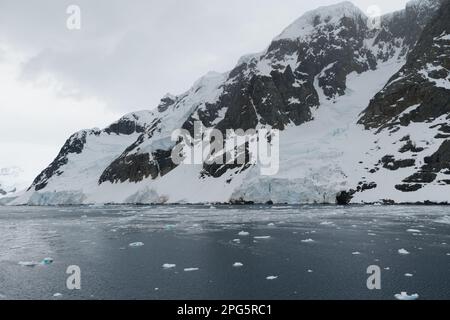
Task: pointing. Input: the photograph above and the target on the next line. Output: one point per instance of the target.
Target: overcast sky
(126, 56)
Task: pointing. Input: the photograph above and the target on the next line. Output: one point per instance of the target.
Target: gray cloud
(130, 53)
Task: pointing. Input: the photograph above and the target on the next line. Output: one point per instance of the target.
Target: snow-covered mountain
(363, 114)
(11, 180)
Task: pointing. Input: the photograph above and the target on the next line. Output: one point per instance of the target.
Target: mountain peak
(322, 15)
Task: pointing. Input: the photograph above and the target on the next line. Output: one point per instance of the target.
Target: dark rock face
(343, 198)
(440, 160)
(125, 126)
(437, 162)
(136, 167)
(410, 146)
(2, 192)
(408, 187)
(413, 86)
(390, 163)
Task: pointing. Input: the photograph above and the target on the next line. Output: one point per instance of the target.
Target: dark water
(97, 240)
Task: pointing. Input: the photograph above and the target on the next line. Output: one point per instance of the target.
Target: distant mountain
(10, 180)
(363, 114)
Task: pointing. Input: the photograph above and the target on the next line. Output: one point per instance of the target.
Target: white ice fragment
(28, 263)
(136, 244)
(262, 237)
(237, 264)
(237, 240)
(356, 253)
(190, 269)
(403, 251)
(413, 231)
(243, 233)
(271, 224)
(169, 265)
(307, 241)
(405, 296)
(310, 271)
(272, 277)
(408, 274)
(57, 295)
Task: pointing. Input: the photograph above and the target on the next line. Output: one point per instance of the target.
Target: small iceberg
(413, 231)
(190, 269)
(47, 261)
(243, 233)
(136, 244)
(57, 295)
(237, 265)
(405, 296)
(356, 253)
(169, 266)
(403, 251)
(408, 274)
(271, 277)
(262, 237)
(307, 241)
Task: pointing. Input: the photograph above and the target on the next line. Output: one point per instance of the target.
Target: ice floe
(262, 237)
(272, 277)
(405, 296)
(243, 233)
(307, 241)
(413, 231)
(403, 251)
(169, 265)
(136, 244)
(191, 269)
(238, 264)
(408, 274)
(356, 253)
(28, 263)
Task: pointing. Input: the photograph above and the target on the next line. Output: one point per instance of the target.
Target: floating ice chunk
(403, 251)
(169, 265)
(237, 264)
(413, 231)
(243, 233)
(57, 295)
(28, 263)
(271, 224)
(47, 261)
(310, 271)
(448, 254)
(191, 269)
(262, 237)
(307, 241)
(387, 268)
(326, 223)
(237, 240)
(272, 277)
(136, 244)
(405, 296)
(356, 253)
(156, 289)
(408, 274)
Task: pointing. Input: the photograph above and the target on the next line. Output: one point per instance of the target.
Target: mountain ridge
(289, 86)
